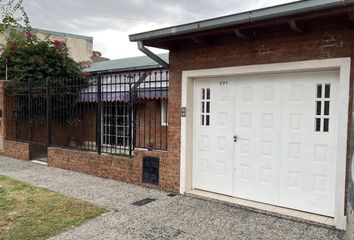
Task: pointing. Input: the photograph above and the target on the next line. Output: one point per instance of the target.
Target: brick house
(259, 112)
(260, 106)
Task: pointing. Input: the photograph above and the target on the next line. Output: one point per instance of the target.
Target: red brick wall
(320, 41)
(18, 150)
(62, 132)
(109, 166)
(148, 125)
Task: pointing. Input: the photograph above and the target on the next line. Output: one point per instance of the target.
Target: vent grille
(151, 170)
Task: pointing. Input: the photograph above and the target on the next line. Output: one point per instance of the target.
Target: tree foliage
(24, 56)
(27, 61)
(13, 14)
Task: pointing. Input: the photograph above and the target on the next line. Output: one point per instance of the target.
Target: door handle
(235, 138)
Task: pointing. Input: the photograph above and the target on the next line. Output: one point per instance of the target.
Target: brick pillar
(3, 84)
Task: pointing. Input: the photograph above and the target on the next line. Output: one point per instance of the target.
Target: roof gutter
(299, 7)
(152, 55)
(129, 69)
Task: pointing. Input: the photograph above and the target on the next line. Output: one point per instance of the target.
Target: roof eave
(269, 13)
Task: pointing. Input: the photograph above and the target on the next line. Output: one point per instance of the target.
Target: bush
(28, 57)
(24, 56)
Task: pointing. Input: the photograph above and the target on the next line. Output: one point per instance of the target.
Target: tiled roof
(125, 64)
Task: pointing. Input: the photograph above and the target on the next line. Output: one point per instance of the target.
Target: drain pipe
(152, 55)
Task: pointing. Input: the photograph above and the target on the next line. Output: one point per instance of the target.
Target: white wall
(80, 47)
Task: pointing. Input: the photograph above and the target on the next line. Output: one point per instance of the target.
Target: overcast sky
(110, 22)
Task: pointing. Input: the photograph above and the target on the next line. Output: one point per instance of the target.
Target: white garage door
(270, 139)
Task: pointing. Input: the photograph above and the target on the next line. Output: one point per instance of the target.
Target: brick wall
(322, 39)
(109, 166)
(148, 125)
(18, 150)
(83, 132)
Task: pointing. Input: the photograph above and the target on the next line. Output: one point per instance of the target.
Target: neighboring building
(266, 99)
(97, 57)
(80, 47)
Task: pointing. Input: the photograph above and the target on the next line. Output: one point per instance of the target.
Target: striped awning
(124, 96)
(124, 86)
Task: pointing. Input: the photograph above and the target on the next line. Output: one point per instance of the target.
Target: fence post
(49, 112)
(30, 120)
(98, 114)
(16, 115)
(130, 117)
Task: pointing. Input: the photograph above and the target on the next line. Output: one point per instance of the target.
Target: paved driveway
(179, 217)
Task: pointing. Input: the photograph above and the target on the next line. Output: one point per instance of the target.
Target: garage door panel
(283, 155)
(221, 98)
(214, 161)
(257, 131)
(303, 155)
(203, 164)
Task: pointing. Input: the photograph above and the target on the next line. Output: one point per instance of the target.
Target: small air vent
(151, 170)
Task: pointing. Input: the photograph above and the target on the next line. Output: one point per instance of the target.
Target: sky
(110, 22)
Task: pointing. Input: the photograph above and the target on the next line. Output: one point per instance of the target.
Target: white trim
(341, 64)
(164, 112)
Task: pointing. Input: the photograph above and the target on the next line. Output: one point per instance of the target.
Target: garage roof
(299, 7)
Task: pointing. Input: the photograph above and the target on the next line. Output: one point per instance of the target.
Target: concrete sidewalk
(179, 217)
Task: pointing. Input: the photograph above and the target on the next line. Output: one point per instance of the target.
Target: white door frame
(343, 65)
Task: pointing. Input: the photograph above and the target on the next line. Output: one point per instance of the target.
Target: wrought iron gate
(112, 113)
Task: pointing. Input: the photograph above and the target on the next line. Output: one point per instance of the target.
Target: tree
(24, 55)
(13, 15)
(28, 61)
(28, 57)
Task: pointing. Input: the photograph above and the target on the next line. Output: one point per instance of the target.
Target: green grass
(28, 212)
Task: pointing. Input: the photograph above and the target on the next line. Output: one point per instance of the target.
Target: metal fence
(107, 113)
